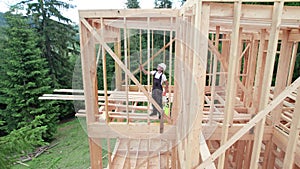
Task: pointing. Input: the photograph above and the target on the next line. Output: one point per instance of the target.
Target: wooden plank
(137, 154)
(117, 50)
(260, 115)
(170, 62)
(176, 106)
(214, 76)
(148, 63)
(114, 153)
(199, 60)
(269, 67)
(293, 61)
(164, 57)
(269, 161)
(161, 24)
(251, 74)
(148, 153)
(126, 66)
(216, 135)
(95, 153)
(231, 85)
(204, 151)
(282, 72)
(128, 13)
(187, 78)
(191, 98)
(259, 73)
(104, 76)
(153, 155)
(293, 138)
(138, 131)
(248, 153)
(127, 158)
(240, 152)
(210, 58)
(114, 56)
(89, 75)
(159, 157)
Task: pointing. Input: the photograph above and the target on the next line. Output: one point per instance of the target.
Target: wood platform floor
(141, 153)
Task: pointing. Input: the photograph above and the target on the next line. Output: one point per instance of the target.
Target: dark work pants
(157, 96)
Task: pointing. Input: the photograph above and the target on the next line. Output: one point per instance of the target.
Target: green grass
(71, 152)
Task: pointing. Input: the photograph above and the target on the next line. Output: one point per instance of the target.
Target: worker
(157, 90)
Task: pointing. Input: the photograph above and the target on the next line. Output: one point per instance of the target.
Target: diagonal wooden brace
(215, 51)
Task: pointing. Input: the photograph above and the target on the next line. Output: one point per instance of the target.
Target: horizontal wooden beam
(135, 131)
(161, 24)
(216, 134)
(128, 13)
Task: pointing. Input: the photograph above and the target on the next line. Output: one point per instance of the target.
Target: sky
(90, 4)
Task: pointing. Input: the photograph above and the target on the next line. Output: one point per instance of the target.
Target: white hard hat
(162, 65)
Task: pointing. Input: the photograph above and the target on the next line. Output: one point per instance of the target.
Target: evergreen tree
(57, 41)
(21, 141)
(163, 4)
(25, 77)
(56, 37)
(132, 4)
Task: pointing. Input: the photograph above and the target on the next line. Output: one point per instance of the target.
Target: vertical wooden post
(289, 158)
(105, 91)
(89, 74)
(126, 65)
(104, 74)
(188, 73)
(141, 58)
(214, 77)
(231, 84)
(259, 72)
(293, 60)
(251, 75)
(170, 62)
(248, 154)
(117, 50)
(240, 158)
(269, 67)
(148, 63)
(177, 92)
(282, 71)
(164, 58)
(128, 55)
(152, 51)
(211, 56)
(200, 45)
(225, 54)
